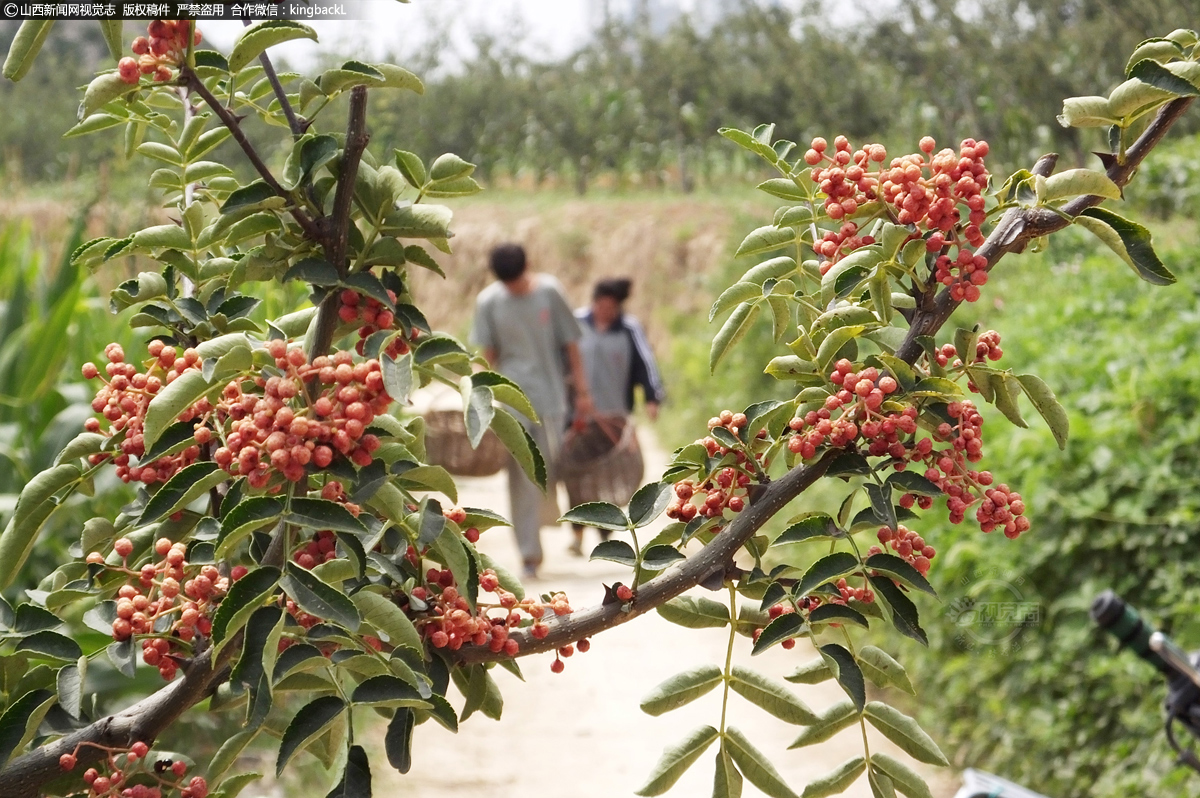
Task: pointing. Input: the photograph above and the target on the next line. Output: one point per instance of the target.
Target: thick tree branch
(712, 558)
(311, 228)
(1020, 226)
(337, 225)
(142, 722)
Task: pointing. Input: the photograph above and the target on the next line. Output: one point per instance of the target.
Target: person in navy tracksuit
(616, 359)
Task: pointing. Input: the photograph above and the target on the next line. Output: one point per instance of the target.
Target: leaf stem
(729, 656)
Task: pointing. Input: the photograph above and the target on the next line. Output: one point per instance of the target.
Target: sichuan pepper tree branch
(1020, 226)
(311, 228)
(295, 124)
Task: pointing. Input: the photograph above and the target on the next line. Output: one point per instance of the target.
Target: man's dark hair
(508, 262)
(617, 288)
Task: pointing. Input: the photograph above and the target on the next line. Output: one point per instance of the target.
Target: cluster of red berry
(448, 621)
(371, 316)
(860, 402)
(834, 245)
(846, 182)
(908, 545)
(923, 189)
(158, 53)
(726, 489)
(122, 765)
(273, 425)
(156, 597)
(281, 430)
(123, 400)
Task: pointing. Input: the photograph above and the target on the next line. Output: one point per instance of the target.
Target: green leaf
(313, 719)
(784, 188)
(478, 411)
(904, 732)
(1129, 240)
(356, 778)
(833, 343)
(766, 239)
(398, 376)
(676, 759)
(255, 40)
(912, 482)
(260, 645)
(1155, 74)
(648, 503)
(21, 718)
(682, 688)
(838, 780)
(51, 645)
(1080, 182)
(381, 614)
(31, 618)
(841, 715)
(34, 506)
(253, 195)
(395, 77)
(817, 525)
(397, 742)
(318, 598)
(771, 696)
(812, 672)
(188, 484)
(837, 613)
(1159, 49)
(245, 517)
(506, 391)
(660, 556)
(411, 167)
(695, 612)
(351, 73)
(69, 684)
(900, 570)
(1006, 399)
(244, 597)
(177, 396)
(773, 269)
(449, 167)
(785, 627)
(1047, 405)
(418, 221)
(734, 329)
(847, 672)
(518, 441)
(882, 669)
(904, 612)
(159, 152)
(387, 691)
(827, 569)
(101, 91)
(791, 367)
(323, 514)
(21, 53)
(905, 779)
(600, 515)
(727, 782)
(617, 551)
(754, 766)
(315, 271)
(735, 295)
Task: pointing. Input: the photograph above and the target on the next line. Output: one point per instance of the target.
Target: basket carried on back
(601, 462)
(448, 446)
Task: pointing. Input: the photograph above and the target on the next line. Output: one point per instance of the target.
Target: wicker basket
(601, 462)
(448, 446)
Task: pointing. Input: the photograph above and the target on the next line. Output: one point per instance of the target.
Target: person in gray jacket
(616, 359)
(527, 332)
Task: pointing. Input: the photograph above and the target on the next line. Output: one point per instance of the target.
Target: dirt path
(580, 734)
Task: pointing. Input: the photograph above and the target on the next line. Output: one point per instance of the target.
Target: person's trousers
(525, 497)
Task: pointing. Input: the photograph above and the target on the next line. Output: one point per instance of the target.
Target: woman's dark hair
(617, 288)
(508, 262)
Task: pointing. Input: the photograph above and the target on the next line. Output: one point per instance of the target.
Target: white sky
(546, 27)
